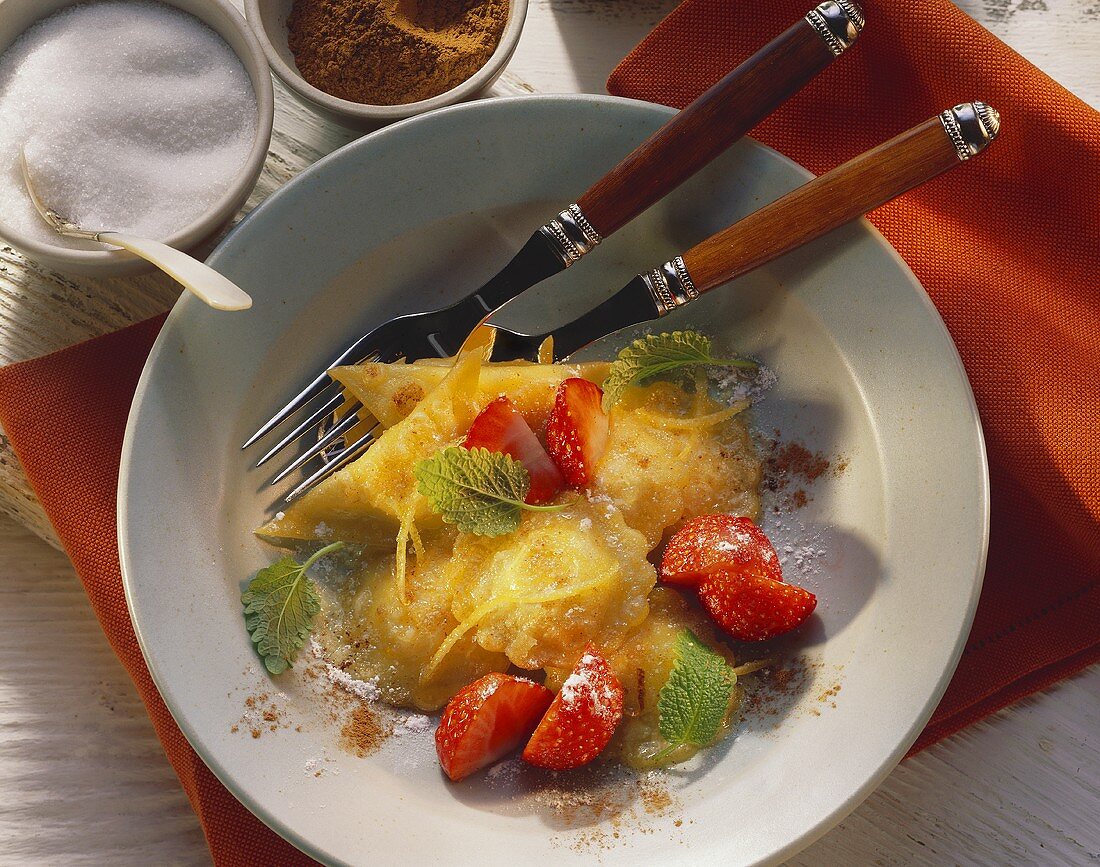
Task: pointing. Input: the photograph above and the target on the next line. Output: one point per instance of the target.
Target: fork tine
(311, 422)
(314, 388)
(348, 455)
(305, 395)
(346, 423)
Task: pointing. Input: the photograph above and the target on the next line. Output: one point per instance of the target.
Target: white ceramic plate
(426, 210)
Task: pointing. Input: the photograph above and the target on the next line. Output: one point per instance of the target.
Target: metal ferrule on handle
(670, 286)
(571, 235)
(713, 122)
(71, 230)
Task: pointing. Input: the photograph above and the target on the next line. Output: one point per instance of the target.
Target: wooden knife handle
(840, 196)
(721, 116)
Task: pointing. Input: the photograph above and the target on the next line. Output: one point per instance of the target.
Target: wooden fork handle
(721, 116)
(831, 200)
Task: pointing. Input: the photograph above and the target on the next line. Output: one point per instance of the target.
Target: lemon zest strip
(498, 601)
(695, 422)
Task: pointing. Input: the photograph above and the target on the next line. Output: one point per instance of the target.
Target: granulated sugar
(136, 116)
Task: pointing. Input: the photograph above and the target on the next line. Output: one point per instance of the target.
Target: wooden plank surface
(82, 776)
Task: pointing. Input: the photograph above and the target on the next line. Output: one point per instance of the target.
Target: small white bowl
(268, 19)
(18, 15)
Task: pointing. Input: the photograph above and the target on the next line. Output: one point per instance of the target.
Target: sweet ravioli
(505, 526)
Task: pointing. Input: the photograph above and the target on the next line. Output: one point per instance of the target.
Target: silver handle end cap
(971, 126)
(838, 23)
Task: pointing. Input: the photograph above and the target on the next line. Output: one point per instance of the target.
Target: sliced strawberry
(500, 428)
(752, 607)
(577, 431)
(582, 717)
(486, 720)
(709, 543)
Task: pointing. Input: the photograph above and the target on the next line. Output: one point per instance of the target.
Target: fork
(827, 202)
(680, 148)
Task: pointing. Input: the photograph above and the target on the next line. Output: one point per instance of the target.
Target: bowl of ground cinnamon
(364, 63)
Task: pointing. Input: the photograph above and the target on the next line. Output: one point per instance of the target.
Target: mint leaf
(655, 354)
(695, 699)
(279, 606)
(479, 491)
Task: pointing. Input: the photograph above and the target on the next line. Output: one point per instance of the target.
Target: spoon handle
(217, 291)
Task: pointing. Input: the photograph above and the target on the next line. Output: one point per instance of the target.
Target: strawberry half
(581, 719)
(577, 431)
(486, 720)
(500, 428)
(711, 543)
(751, 607)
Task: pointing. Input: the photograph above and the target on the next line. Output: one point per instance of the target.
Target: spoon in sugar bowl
(202, 280)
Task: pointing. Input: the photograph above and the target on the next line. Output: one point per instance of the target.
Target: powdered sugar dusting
(487, 687)
(367, 690)
(608, 504)
(802, 551)
(740, 540)
(732, 384)
(414, 724)
(585, 685)
(504, 773)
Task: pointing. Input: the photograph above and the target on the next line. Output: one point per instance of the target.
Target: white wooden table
(83, 779)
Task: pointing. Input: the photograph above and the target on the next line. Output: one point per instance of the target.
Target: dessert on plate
(554, 555)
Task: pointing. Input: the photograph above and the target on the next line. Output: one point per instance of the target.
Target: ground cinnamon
(391, 52)
(363, 734)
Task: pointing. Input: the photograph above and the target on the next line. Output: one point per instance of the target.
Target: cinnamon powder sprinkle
(262, 713)
(407, 396)
(788, 463)
(363, 734)
(656, 798)
(601, 810)
(793, 460)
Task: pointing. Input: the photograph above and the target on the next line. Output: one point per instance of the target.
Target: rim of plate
(187, 301)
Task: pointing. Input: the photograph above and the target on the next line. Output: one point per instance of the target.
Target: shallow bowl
(891, 539)
(220, 15)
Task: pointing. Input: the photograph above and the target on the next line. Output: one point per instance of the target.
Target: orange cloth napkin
(1007, 246)
(65, 415)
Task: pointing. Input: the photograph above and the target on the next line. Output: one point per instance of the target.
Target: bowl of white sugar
(139, 116)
